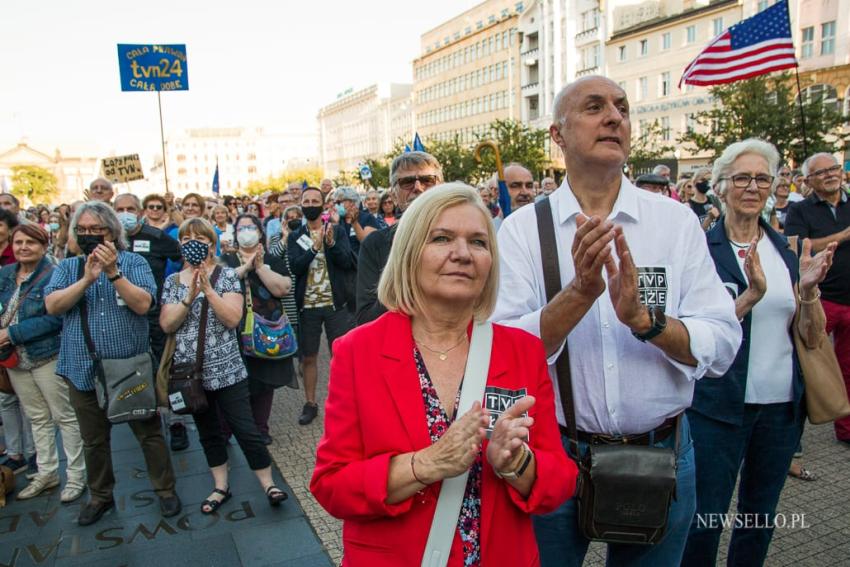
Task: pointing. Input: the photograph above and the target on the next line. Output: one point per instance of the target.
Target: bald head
(520, 184)
(569, 93)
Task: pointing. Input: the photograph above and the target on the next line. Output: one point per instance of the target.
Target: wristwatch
(116, 277)
(525, 461)
(658, 322)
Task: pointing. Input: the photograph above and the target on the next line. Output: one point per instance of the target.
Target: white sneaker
(71, 492)
(37, 485)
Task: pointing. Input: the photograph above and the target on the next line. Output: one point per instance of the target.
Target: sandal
(275, 495)
(805, 474)
(209, 506)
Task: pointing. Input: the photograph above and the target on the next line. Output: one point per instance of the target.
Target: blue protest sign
(365, 172)
(153, 67)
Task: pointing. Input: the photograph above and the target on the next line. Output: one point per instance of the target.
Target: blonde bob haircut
(398, 288)
(197, 226)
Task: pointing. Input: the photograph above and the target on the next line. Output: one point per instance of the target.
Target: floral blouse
(469, 522)
(223, 364)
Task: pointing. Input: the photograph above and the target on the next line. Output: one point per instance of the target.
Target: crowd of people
(618, 312)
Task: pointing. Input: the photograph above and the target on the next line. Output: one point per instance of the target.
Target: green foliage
(766, 107)
(517, 143)
(34, 184)
(312, 175)
(649, 146)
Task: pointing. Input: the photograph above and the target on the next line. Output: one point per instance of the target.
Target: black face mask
(88, 242)
(312, 213)
(702, 187)
(294, 224)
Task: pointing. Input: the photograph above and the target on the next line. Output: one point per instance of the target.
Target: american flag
(756, 46)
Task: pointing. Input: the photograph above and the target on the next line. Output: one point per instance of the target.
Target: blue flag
(215, 180)
(304, 185)
(417, 144)
(406, 148)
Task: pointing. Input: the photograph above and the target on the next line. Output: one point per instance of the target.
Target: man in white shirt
(646, 313)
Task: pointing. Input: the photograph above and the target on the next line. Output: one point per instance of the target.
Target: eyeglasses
(95, 230)
(155, 207)
(743, 180)
(409, 182)
(826, 171)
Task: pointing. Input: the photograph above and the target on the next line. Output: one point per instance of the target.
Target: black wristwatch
(116, 277)
(658, 323)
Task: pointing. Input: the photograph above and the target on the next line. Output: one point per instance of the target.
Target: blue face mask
(195, 252)
(340, 210)
(128, 220)
(54, 226)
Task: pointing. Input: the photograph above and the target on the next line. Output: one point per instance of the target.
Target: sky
(250, 63)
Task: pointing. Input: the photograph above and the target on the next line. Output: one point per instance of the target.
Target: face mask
(128, 220)
(340, 210)
(88, 242)
(294, 224)
(54, 226)
(240, 210)
(248, 238)
(311, 213)
(702, 187)
(195, 252)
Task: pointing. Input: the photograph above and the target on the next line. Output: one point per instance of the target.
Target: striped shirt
(277, 247)
(117, 332)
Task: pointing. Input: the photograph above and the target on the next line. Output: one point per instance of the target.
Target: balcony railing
(587, 71)
(529, 86)
(530, 52)
(587, 35)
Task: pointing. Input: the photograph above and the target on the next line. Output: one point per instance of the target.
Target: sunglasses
(155, 207)
(409, 182)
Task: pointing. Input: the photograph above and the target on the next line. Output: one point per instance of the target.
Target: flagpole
(799, 93)
(162, 139)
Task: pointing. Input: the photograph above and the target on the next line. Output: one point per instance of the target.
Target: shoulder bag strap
(202, 328)
(21, 297)
(552, 283)
(444, 524)
(84, 316)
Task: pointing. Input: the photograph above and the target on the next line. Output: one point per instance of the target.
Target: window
(691, 34)
(717, 26)
(665, 128)
(827, 35)
(621, 53)
(498, 41)
(762, 6)
(807, 46)
(665, 84)
(644, 47)
(665, 40)
(690, 122)
(643, 88)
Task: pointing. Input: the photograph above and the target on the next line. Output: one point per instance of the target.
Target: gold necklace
(443, 354)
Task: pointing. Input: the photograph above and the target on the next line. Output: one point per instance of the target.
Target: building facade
(243, 155)
(467, 75)
(364, 124)
(73, 174)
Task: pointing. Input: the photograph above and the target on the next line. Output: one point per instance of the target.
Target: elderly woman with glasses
(750, 420)
(394, 435)
(119, 289)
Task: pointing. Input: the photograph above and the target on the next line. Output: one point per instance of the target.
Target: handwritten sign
(153, 67)
(121, 169)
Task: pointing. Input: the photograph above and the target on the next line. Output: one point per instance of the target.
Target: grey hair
(659, 168)
(756, 146)
(105, 180)
(347, 194)
(811, 158)
(414, 160)
(295, 208)
(130, 196)
(105, 216)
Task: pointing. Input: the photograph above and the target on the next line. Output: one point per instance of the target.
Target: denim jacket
(36, 331)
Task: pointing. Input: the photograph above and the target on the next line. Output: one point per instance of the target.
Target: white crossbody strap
(445, 519)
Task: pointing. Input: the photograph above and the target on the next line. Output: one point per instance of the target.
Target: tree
(456, 159)
(34, 184)
(649, 146)
(517, 143)
(766, 107)
(277, 184)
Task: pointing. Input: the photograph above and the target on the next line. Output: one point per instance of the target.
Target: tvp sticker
(177, 402)
(497, 400)
(653, 286)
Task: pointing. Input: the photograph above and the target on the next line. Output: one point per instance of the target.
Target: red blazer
(374, 411)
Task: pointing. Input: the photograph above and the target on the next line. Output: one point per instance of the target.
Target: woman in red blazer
(391, 436)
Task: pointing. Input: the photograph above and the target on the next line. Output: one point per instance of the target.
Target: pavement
(247, 532)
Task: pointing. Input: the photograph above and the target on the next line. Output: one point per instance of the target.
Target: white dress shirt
(622, 386)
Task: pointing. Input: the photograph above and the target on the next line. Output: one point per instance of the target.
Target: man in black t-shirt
(156, 248)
